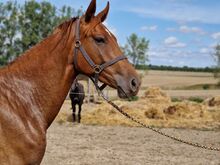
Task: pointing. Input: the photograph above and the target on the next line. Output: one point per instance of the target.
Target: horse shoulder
(22, 136)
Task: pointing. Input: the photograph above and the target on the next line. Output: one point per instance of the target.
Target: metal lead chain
(156, 130)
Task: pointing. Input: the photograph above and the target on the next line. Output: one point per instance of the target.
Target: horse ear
(90, 12)
(103, 14)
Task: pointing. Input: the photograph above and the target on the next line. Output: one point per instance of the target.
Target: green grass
(133, 98)
(193, 99)
(175, 99)
(196, 99)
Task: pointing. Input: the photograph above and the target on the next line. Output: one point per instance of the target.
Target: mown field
(179, 103)
(175, 84)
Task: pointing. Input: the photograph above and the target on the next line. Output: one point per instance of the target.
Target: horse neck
(48, 68)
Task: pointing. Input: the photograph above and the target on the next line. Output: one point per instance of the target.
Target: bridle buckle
(77, 43)
(97, 69)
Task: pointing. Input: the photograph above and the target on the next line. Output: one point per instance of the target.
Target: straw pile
(155, 109)
(214, 101)
(156, 95)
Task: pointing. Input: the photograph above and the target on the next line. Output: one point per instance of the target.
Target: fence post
(88, 90)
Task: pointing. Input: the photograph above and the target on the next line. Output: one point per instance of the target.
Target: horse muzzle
(128, 88)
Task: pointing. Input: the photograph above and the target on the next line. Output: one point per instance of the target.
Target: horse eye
(99, 40)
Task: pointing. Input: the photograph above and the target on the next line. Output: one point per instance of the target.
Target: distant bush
(205, 86)
(196, 99)
(175, 99)
(142, 67)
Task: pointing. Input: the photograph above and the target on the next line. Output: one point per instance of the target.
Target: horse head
(103, 50)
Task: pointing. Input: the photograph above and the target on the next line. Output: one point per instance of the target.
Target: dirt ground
(93, 144)
(79, 144)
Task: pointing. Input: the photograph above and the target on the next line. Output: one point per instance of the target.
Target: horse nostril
(134, 84)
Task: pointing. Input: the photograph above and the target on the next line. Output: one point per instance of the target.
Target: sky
(181, 32)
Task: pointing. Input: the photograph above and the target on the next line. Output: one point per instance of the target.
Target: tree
(35, 22)
(23, 26)
(136, 49)
(2, 37)
(217, 59)
(217, 54)
(8, 30)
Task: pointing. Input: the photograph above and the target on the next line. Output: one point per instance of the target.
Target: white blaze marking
(108, 32)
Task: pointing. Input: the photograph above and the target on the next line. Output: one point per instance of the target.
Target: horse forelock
(89, 27)
(93, 26)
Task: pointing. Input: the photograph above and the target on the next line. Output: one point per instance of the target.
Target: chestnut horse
(34, 87)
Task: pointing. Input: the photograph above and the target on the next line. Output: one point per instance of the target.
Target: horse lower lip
(122, 93)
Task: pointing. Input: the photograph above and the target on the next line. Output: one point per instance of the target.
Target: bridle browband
(96, 67)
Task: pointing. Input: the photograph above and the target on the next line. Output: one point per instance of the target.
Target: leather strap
(77, 32)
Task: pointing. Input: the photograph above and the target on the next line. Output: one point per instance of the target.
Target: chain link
(156, 130)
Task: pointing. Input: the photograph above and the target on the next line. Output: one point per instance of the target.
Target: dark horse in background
(34, 87)
(77, 96)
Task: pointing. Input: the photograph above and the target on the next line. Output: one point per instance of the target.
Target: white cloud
(152, 53)
(213, 45)
(170, 29)
(173, 42)
(149, 28)
(204, 50)
(187, 29)
(161, 55)
(170, 40)
(179, 11)
(216, 35)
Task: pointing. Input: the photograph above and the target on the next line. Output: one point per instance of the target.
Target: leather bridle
(96, 67)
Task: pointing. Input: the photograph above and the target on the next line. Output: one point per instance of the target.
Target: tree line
(22, 26)
(175, 68)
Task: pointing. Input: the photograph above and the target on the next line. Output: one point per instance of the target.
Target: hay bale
(212, 102)
(186, 109)
(156, 95)
(154, 113)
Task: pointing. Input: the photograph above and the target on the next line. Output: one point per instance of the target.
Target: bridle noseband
(96, 68)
